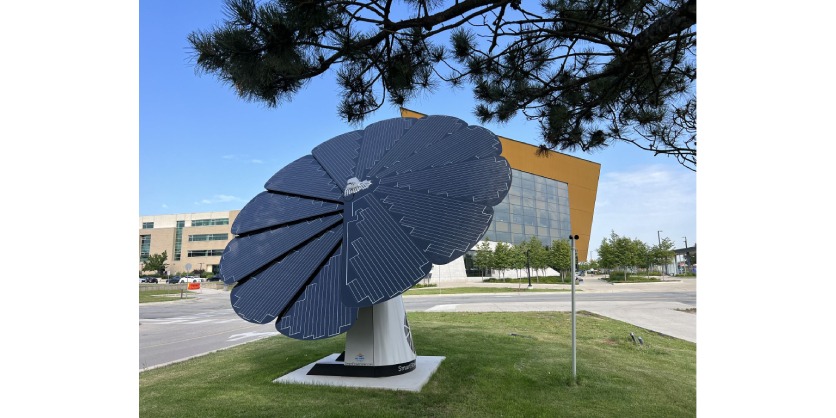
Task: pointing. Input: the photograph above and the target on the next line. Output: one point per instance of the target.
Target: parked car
(214, 278)
(174, 280)
(148, 279)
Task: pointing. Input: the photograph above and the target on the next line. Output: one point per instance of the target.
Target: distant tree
(518, 259)
(502, 258)
(538, 255)
(640, 253)
(623, 253)
(589, 72)
(662, 253)
(156, 263)
(616, 252)
(483, 259)
(560, 257)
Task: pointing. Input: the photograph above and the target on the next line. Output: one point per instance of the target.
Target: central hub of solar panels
(340, 234)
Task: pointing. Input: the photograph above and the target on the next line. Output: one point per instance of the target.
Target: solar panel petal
(262, 297)
(305, 177)
(247, 254)
(268, 210)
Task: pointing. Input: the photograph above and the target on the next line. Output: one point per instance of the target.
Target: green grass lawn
(162, 295)
(618, 278)
(488, 372)
(534, 280)
(456, 290)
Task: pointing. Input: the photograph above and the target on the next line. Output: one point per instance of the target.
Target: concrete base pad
(413, 381)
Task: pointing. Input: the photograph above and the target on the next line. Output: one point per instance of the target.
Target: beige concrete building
(192, 241)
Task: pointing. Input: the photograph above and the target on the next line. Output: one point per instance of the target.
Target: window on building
(210, 222)
(208, 237)
(147, 225)
(178, 240)
(205, 253)
(144, 247)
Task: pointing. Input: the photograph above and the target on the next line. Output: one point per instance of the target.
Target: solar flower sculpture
(340, 234)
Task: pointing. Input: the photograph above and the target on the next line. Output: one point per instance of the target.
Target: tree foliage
(483, 259)
(589, 72)
(518, 258)
(625, 253)
(502, 258)
(618, 252)
(560, 257)
(537, 255)
(156, 263)
(662, 253)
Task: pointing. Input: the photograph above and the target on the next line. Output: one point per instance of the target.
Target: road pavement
(661, 308)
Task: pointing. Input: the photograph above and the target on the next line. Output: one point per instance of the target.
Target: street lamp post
(528, 265)
(660, 249)
(572, 239)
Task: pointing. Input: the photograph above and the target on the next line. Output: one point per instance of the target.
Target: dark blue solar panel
(443, 228)
(423, 133)
(245, 255)
(318, 312)
(378, 139)
(413, 193)
(468, 143)
(268, 210)
(264, 296)
(484, 181)
(338, 156)
(305, 177)
(382, 260)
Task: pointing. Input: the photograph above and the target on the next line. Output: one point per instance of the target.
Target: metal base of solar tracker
(425, 367)
(378, 345)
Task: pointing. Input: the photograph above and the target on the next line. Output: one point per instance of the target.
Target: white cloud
(228, 157)
(218, 198)
(165, 206)
(638, 203)
(256, 161)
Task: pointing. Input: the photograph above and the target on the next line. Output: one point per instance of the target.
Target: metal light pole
(660, 248)
(528, 265)
(687, 257)
(572, 239)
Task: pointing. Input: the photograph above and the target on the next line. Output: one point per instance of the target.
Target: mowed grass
(163, 295)
(457, 290)
(488, 372)
(534, 280)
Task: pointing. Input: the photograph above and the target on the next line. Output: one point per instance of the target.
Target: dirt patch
(688, 310)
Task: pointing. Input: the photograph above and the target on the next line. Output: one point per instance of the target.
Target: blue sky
(201, 148)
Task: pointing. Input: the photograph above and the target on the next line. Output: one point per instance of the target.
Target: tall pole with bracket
(572, 239)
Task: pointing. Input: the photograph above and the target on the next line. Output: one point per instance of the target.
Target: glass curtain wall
(534, 207)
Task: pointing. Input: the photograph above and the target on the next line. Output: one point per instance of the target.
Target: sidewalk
(668, 318)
